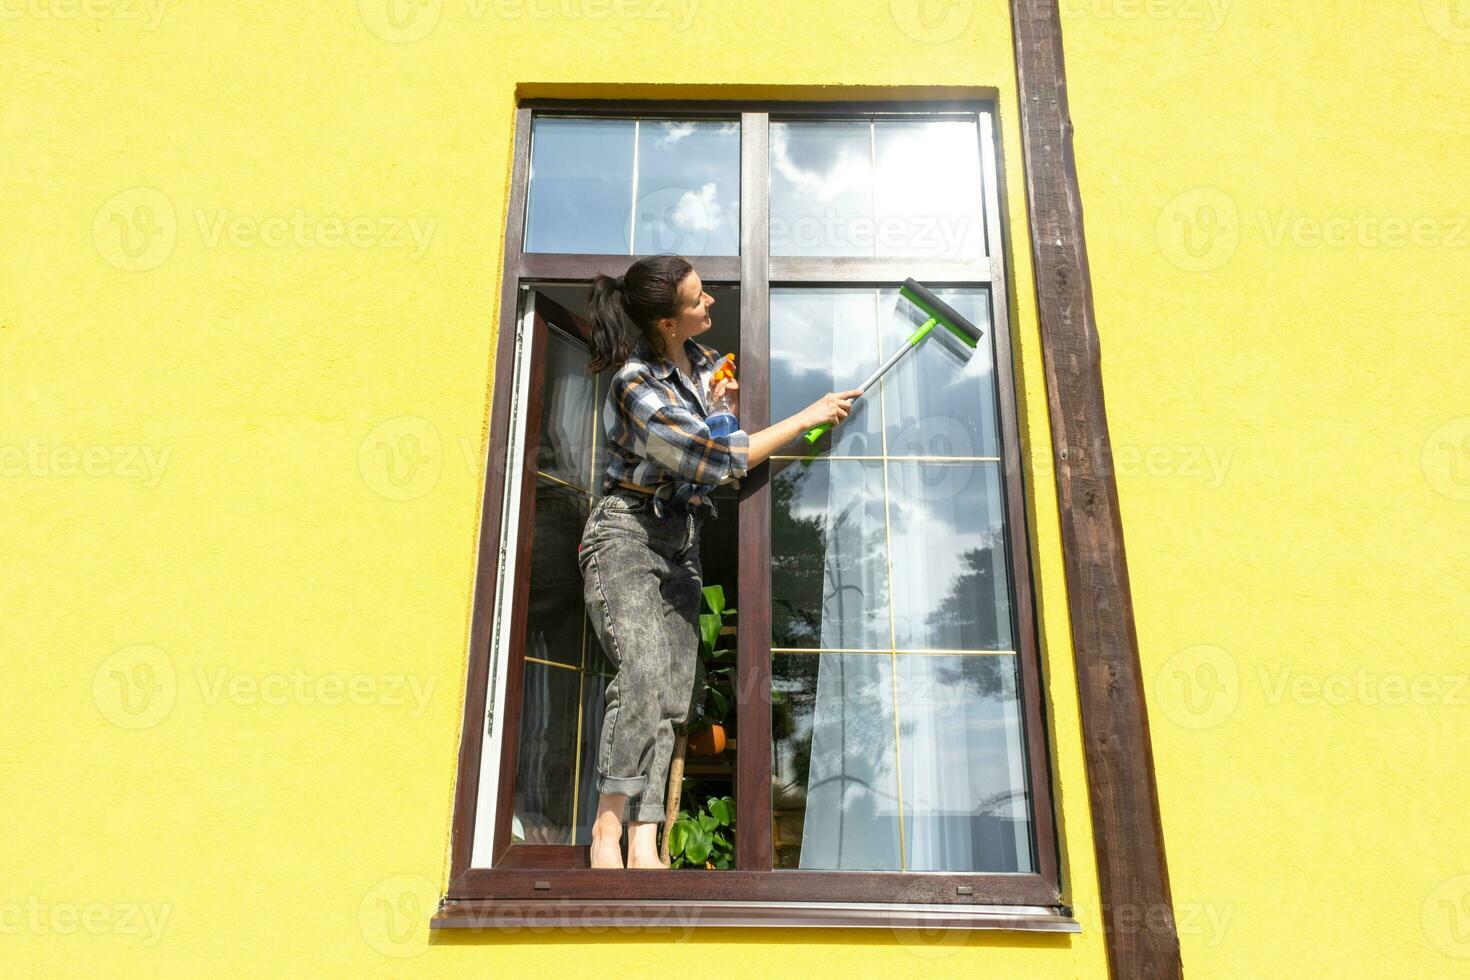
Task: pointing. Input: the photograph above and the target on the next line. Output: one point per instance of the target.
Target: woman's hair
(646, 293)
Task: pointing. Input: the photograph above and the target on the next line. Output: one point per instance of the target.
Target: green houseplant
(706, 831)
(704, 838)
(714, 676)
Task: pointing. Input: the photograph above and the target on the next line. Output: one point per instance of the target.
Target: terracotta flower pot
(708, 741)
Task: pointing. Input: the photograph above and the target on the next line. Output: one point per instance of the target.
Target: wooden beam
(1138, 918)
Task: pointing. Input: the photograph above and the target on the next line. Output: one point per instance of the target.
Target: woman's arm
(831, 407)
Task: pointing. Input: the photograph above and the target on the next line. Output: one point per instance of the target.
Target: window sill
(510, 915)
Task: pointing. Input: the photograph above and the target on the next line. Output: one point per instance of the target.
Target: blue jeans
(642, 582)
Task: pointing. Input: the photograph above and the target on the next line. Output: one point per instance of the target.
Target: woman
(639, 553)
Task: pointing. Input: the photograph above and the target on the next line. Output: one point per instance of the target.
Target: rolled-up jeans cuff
(645, 814)
(621, 785)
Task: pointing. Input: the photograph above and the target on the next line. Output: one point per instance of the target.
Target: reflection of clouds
(697, 211)
(935, 544)
(947, 532)
(943, 382)
(831, 167)
(672, 132)
(931, 168)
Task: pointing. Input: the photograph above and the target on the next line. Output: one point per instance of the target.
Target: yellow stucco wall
(251, 267)
(1278, 218)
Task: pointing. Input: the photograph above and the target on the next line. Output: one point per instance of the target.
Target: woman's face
(691, 310)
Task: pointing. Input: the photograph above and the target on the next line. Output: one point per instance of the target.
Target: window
(890, 748)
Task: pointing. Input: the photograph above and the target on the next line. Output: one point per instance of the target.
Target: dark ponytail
(645, 294)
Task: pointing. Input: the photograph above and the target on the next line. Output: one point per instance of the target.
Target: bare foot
(606, 852)
(639, 859)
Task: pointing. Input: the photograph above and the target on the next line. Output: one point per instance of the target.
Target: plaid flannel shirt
(656, 431)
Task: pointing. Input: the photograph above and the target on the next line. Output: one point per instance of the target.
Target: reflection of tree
(796, 568)
(968, 618)
(796, 591)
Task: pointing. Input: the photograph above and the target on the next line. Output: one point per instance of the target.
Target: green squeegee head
(939, 312)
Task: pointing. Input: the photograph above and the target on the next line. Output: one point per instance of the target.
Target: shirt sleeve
(676, 438)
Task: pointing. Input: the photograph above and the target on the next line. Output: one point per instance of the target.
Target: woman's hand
(729, 389)
(831, 407)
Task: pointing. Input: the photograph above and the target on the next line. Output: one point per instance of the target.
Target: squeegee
(940, 314)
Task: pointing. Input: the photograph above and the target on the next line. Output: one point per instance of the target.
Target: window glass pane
(886, 188)
(939, 400)
(826, 340)
(594, 704)
(899, 556)
(546, 756)
(554, 611)
(581, 185)
(821, 188)
(688, 188)
(927, 189)
(834, 769)
(948, 557)
(829, 575)
(620, 186)
(567, 402)
(964, 780)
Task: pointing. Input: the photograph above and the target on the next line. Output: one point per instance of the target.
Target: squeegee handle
(814, 434)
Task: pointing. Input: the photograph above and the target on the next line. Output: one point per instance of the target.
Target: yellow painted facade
(252, 265)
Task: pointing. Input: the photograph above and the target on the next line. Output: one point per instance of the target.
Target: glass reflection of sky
(881, 188)
(826, 340)
(581, 185)
(688, 188)
(821, 186)
(939, 400)
(943, 542)
(584, 173)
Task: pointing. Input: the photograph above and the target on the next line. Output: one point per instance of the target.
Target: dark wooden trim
(556, 267)
(654, 916)
(1127, 832)
(546, 856)
(928, 888)
(753, 642)
(780, 109)
(473, 732)
(560, 316)
(858, 271)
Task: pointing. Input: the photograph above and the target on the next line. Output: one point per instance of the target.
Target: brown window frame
(527, 880)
